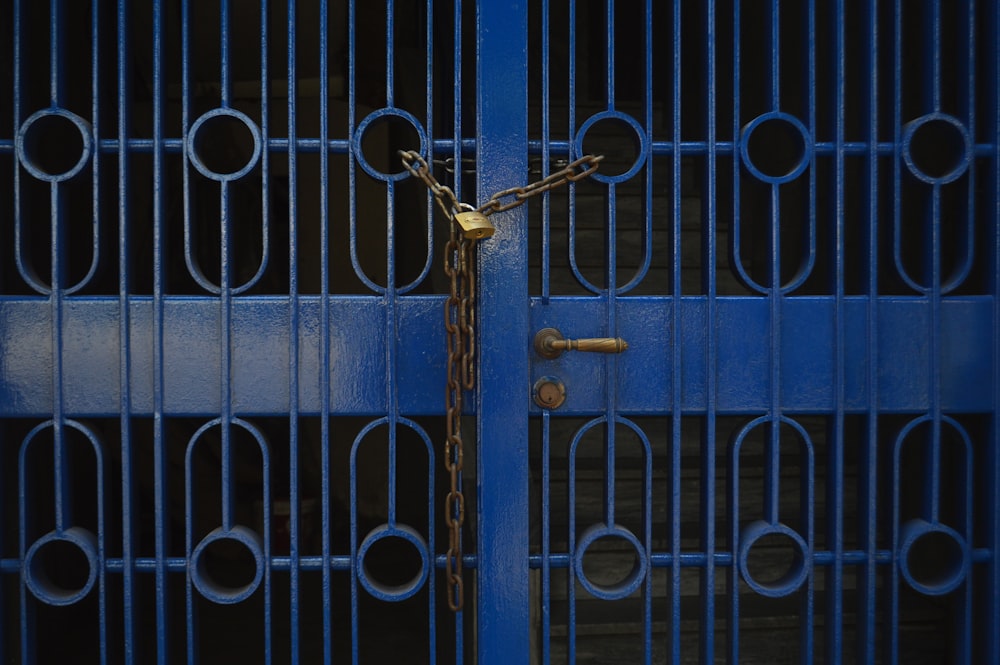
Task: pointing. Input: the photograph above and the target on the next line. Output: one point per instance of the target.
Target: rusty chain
(572, 172)
(460, 326)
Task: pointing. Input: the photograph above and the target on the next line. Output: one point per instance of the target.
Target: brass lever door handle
(550, 343)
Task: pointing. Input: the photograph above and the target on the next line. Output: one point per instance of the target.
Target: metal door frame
(502, 397)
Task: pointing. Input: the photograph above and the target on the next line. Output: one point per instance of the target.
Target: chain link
(520, 195)
(572, 172)
(460, 326)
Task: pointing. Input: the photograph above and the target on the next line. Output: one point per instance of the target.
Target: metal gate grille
(795, 231)
(223, 357)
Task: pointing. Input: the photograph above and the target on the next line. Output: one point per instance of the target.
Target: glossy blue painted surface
(503, 392)
(260, 348)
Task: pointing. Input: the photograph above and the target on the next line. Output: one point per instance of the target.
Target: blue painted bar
(357, 362)
(294, 493)
(124, 312)
(834, 582)
(160, 499)
(808, 329)
(991, 646)
(503, 386)
(324, 332)
(678, 372)
(709, 209)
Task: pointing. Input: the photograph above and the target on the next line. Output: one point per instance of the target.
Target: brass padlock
(475, 225)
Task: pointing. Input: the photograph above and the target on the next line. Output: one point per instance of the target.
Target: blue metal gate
(223, 364)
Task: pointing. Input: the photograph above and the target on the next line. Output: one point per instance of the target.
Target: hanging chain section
(468, 225)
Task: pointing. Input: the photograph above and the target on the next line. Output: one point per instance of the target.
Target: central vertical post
(503, 624)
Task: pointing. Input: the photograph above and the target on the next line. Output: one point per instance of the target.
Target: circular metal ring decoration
(36, 577)
(393, 593)
(196, 159)
(796, 573)
(935, 539)
(26, 138)
(202, 579)
(626, 586)
(797, 167)
(382, 115)
(640, 143)
(937, 122)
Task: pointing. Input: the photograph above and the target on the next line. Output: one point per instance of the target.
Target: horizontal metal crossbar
(357, 342)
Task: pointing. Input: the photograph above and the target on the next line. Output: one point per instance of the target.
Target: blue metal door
(223, 372)
(795, 231)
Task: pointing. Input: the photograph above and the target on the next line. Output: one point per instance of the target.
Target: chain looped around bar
(460, 326)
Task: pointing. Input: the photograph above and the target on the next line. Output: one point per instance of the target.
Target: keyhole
(549, 393)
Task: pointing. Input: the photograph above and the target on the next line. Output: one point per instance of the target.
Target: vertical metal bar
(225, 82)
(192, 644)
(226, 352)
(609, 46)
(835, 468)
(267, 490)
(57, 33)
(391, 293)
(932, 54)
(709, 280)
(892, 648)
(968, 72)
(647, 487)
(390, 65)
(611, 282)
(774, 68)
(63, 507)
(160, 503)
(16, 117)
(571, 131)
(967, 108)
(95, 184)
(431, 128)
(934, 295)
(27, 615)
(868, 458)
(571, 531)
(391, 349)
(102, 572)
(293, 335)
(457, 74)
(546, 533)
(324, 321)
(733, 580)
(27, 623)
(546, 138)
(676, 369)
(610, 300)
(992, 646)
(353, 214)
(502, 399)
(772, 450)
(807, 488)
(124, 346)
